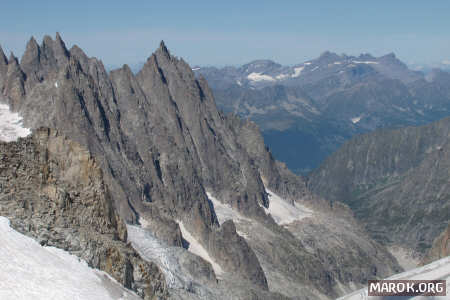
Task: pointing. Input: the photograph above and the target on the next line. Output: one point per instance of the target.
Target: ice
(30, 271)
(356, 119)
(282, 76)
(283, 212)
(56, 84)
(259, 77)
(11, 127)
(151, 249)
(365, 62)
(297, 71)
(196, 248)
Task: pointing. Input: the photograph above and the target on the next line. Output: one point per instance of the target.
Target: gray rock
(52, 189)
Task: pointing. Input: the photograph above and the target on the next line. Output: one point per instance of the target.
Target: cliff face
(52, 189)
(395, 181)
(162, 145)
(157, 135)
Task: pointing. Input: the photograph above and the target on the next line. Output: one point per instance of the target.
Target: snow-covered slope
(11, 127)
(284, 212)
(439, 269)
(30, 271)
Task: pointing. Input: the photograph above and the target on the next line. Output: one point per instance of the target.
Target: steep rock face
(3, 69)
(148, 133)
(395, 181)
(53, 190)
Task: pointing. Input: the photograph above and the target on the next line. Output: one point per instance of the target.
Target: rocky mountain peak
(3, 59)
(391, 58)
(260, 66)
(162, 49)
(30, 60)
(55, 51)
(3, 65)
(366, 56)
(328, 57)
(79, 54)
(12, 59)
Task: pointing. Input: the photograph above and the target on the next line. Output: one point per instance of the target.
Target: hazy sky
(234, 32)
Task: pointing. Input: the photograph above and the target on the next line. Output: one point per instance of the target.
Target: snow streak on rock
(11, 127)
(30, 271)
(284, 212)
(196, 248)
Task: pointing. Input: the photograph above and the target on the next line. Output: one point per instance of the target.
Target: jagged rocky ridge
(396, 182)
(162, 144)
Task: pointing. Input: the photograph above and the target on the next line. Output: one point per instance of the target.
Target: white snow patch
(196, 248)
(11, 127)
(30, 271)
(446, 62)
(356, 119)
(225, 212)
(315, 68)
(297, 71)
(282, 76)
(337, 63)
(56, 84)
(239, 83)
(195, 69)
(307, 63)
(368, 62)
(259, 77)
(439, 269)
(284, 212)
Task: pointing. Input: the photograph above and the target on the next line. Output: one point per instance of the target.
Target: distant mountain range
(308, 110)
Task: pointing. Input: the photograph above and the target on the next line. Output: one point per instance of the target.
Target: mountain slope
(396, 182)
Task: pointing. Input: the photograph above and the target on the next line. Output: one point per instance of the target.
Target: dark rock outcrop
(52, 189)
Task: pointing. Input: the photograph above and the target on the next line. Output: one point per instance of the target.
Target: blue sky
(234, 32)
